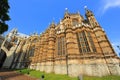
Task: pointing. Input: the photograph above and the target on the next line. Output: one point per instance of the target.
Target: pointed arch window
(83, 43)
(61, 46)
(31, 52)
(91, 41)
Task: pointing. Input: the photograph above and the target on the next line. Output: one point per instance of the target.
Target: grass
(52, 76)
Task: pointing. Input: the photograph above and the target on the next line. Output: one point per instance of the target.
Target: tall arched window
(61, 46)
(91, 42)
(83, 42)
(31, 52)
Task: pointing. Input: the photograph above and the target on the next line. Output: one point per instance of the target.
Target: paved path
(12, 75)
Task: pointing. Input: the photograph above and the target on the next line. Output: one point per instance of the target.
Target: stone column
(72, 52)
(51, 49)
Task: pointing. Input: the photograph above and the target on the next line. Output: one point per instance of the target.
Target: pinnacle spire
(66, 10)
(85, 7)
(88, 12)
(66, 13)
(52, 24)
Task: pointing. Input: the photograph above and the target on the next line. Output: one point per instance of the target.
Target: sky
(30, 16)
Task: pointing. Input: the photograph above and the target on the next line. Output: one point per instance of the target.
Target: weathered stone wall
(95, 69)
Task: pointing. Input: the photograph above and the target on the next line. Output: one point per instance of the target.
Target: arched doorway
(2, 57)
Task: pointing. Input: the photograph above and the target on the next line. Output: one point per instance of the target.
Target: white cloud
(107, 4)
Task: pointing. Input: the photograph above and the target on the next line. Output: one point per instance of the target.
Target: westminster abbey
(74, 46)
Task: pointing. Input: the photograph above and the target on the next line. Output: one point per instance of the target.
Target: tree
(4, 7)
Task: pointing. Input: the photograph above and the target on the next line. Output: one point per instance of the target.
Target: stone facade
(74, 46)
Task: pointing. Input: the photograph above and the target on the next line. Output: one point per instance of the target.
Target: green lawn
(52, 76)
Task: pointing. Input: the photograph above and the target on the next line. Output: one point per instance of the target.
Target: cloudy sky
(35, 15)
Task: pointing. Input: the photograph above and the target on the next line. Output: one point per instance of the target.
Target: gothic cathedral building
(76, 45)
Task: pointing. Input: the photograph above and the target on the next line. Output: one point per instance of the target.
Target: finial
(52, 23)
(60, 21)
(40, 33)
(16, 29)
(85, 7)
(66, 10)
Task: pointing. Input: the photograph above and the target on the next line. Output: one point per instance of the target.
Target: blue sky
(35, 15)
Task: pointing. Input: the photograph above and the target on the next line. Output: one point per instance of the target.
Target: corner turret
(91, 18)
